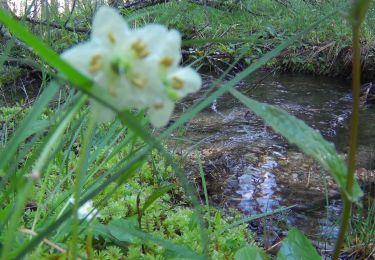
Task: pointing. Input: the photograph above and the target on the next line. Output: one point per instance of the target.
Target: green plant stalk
(81, 171)
(358, 15)
(201, 172)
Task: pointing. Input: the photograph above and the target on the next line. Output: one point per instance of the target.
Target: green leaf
(100, 230)
(36, 127)
(250, 252)
(159, 192)
(119, 229)
(297, 246)
(309, 140)
(126, 230)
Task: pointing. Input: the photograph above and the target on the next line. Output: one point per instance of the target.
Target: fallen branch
(4, 32)
(55, 25)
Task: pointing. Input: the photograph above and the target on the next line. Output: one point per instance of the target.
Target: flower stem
(359, 10)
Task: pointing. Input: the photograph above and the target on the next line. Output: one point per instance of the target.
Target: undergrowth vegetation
(325, 50)
(251, 27)
(75, 187)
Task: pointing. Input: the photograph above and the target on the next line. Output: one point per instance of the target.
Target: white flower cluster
(139, 68)
(86, 211)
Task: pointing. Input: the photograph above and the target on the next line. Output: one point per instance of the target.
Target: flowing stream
(250, 168)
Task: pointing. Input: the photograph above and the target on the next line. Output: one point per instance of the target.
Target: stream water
(252, 169)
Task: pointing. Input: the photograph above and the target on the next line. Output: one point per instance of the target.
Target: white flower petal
(141, 95)
(109, 27)
(162, 43)
(160, 114)
(81, 56)
(189, 81)
(87, 210)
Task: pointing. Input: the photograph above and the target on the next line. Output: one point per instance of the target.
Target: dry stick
(45, 240)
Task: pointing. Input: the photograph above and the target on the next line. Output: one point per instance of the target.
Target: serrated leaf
(297, 246)
(250, 252)
(309, 140)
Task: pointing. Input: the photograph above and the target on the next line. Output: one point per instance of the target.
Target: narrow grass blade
(253, 217)
(201, 172)
(159, 192)
(10, 149)
(15, 219)
(51, 145)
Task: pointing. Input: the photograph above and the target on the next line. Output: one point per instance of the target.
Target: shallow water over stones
(251, 168)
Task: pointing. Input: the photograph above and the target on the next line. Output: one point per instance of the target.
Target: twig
(274, 246)
(45, 240)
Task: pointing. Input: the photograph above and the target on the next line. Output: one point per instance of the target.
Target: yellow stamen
(166, 61)
(111, 38)
(140, 48)
(94, 64)
(177, 83)
(137, 81)
(159, 106)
